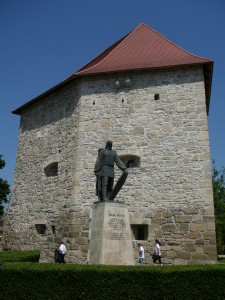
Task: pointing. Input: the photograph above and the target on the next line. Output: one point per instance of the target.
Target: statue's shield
(118, 186)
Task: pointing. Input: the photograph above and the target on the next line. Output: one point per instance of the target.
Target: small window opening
(131, 161)
(40, 228)
(131, 164)
(94, 102)
(156, 97)
(51, 170)
(140, 232)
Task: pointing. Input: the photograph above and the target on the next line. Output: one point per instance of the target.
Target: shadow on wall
(52, 108)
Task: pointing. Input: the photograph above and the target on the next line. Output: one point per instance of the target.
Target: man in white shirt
(141, 254)
(157, 254)
(63, 252)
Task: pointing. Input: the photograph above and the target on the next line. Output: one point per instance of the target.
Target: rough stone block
(210, 249)
(169, 228)
(183, 219)
(198, 256)
(193, 235)
(199, 249)
(211, 226)
(183, 255)
(198, 227)
(73, 234)
(81, 241)
(159, 221)
(209, 235)
(184, 227)
(169, 254)
(190, 246)
(57, 239)
(196, 261)
(199, 241)
(212, 257)
(166, 248)
(84, 234)
(210, 210)
(177, 261)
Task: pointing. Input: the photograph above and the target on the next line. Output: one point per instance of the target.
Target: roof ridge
(123, 39)
(85, 66)
(209, 60)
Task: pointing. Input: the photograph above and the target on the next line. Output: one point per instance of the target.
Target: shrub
(58, 281)
(22, 256)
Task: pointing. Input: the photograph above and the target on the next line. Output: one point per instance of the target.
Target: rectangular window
(140, 231)
(40, 228)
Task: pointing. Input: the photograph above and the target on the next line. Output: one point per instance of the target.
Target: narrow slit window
(156, 97)
(53, 229)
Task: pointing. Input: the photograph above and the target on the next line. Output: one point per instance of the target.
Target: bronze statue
(104, 171)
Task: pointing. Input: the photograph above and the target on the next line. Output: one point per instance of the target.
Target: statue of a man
(104, 171)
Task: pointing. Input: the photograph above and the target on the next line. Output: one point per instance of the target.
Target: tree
(4, 188)
(218, 178)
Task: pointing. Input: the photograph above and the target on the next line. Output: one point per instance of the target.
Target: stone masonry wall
(170, 191)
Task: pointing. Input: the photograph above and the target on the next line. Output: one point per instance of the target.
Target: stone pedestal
(110, 236)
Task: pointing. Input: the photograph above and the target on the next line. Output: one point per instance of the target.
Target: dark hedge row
(16, 256)
(54, 281)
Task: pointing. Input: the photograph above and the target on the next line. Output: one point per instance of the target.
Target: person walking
(157, 254)
(141, 254)
(62, 252)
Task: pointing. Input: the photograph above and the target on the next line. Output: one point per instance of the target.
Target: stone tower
(151, 98)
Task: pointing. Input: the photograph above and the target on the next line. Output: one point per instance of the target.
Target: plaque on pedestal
(110, 237)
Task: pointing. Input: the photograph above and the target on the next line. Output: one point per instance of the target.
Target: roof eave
(207, 68)
(19, 110)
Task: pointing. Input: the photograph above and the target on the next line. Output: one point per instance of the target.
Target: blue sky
(45, 41)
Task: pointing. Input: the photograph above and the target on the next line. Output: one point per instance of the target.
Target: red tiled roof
(141, 49)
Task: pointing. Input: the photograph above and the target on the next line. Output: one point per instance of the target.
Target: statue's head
(108, 145)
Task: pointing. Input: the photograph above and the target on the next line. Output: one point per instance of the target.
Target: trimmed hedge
(16, 256)
(58, 281)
